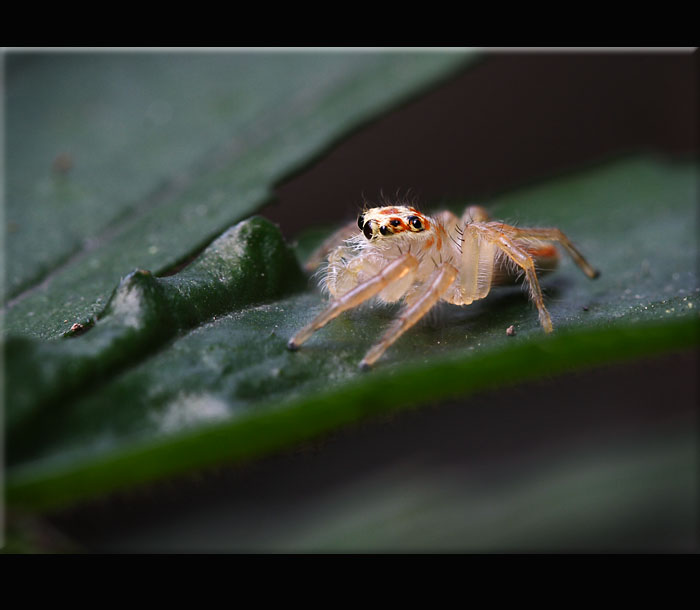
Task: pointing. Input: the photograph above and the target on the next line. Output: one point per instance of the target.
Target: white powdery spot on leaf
(188, 409)
(127, 304)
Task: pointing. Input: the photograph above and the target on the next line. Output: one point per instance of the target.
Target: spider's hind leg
(475, 213)
(559, 237)
(519, 255)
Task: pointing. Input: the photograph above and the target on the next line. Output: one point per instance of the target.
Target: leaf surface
(118, 161)
(224, 387)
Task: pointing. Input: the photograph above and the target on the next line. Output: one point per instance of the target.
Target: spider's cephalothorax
(402, 254)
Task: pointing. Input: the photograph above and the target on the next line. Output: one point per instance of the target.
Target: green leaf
(118, 161)
(222, 386)
(247, 264)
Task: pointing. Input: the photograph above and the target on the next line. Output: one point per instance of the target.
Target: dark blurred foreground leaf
(229, 389)
(617, 491)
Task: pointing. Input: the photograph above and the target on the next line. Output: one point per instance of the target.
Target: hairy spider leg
(524, 260)
(477, 266)
(393, 272)
(556, 235)
(438, 283)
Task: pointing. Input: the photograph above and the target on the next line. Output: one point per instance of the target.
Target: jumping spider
(403, 254)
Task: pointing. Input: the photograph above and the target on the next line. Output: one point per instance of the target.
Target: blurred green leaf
(228, 389)
(117, 161)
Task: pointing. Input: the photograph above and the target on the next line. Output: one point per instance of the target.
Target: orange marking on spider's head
(389, 211)
(397, 225)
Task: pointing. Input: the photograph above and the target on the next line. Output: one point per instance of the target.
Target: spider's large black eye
(394, 223)
(360, 221)
(368, 230)
(415, 222)
(383, 230)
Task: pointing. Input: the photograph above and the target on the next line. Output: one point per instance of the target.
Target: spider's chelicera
(402, 254)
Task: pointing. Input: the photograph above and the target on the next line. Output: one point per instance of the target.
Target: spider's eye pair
(415, 222)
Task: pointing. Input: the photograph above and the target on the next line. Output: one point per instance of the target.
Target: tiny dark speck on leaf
(63, 163)
(585, 308)
(510, 331)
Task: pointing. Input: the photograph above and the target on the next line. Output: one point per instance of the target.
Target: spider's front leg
(437, 284)
(395, 271)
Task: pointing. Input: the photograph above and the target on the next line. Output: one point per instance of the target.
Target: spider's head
(391, 221)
